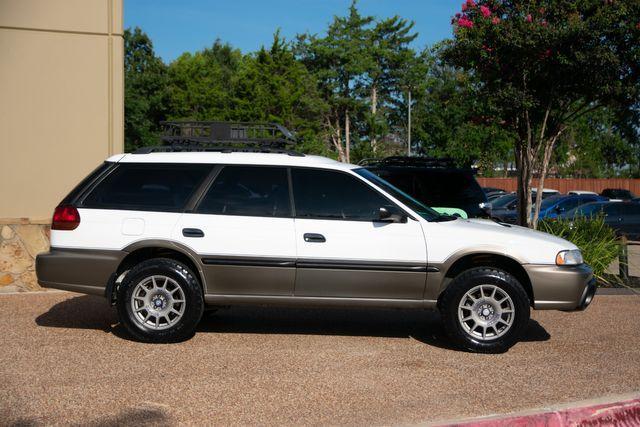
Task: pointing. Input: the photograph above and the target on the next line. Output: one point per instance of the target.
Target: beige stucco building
(61, 112)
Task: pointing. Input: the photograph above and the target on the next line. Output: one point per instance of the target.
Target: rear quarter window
(160, 187)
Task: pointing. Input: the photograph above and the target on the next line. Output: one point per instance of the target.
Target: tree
(543, 64)
(595, 146)
(339, 61)
(145, 95)
(273, 86)
(388, 58)
(201, 84)
(452, 122)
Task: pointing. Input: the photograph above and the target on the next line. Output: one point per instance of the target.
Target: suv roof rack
(430, 162)
(194, 136)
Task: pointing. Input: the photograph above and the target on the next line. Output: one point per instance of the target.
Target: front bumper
(561, 288)
(78, 270)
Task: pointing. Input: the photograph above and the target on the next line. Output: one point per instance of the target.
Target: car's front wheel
(485, 310)
(160, 300)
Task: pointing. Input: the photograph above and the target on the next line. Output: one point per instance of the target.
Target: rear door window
(248, 191)
(148, 187)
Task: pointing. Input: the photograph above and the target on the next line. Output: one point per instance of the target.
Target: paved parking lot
(64, 359)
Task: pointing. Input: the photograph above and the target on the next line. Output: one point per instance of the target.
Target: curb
(622, 410)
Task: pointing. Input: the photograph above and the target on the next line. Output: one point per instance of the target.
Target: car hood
(525, 245)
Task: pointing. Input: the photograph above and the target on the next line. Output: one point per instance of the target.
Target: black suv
(434, 182)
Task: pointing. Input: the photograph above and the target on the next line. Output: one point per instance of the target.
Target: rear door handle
(314, 238)
(192, 232)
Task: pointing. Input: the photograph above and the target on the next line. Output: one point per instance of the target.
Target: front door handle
(314, 238)
(192, 232)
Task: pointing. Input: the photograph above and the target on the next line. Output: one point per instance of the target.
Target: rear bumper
(85, 271)
(561, 288)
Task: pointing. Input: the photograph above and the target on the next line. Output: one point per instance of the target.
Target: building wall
(61, 99)
(61, 114)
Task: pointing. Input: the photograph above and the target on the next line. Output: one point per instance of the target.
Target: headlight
(572, 257)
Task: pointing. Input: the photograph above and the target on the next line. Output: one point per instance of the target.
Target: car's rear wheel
(160, 300)
(485, 310)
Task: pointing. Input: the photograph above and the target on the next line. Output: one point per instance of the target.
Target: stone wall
(19, 245)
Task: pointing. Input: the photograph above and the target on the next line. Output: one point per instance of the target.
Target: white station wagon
(168, 232)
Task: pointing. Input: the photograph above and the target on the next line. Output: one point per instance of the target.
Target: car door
(343, 249)
(630, 220)
(243, 231)
(612, 216)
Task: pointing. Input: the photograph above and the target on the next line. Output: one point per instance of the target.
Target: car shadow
(92, 312)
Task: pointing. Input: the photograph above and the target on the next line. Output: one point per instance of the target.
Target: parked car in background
(505, 208)
(435, 182)
(582, 192)
(617, 194)
(488, 190)
(624, 218)
(506, 201)
(546, 192)
(553, 206)
(493, 192)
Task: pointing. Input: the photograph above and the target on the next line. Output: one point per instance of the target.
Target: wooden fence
(565, 185)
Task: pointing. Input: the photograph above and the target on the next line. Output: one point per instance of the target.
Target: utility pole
(409, 127)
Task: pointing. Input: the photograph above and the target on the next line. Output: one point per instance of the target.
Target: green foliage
(542, 64)
(201, 84)
(595, 147)
(363, 68)
(593, 236)
(451, 121)
(146, 86)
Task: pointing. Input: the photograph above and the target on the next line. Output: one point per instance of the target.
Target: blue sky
(177, 26)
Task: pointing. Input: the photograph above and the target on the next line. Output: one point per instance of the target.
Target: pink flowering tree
(542, 64)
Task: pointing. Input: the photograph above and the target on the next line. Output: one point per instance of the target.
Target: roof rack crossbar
(224, 137)
(232, 133)
(192, 148)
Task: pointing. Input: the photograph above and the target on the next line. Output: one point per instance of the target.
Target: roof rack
(193, 136)
(431, 162)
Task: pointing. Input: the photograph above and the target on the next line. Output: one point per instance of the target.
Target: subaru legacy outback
(164, 234)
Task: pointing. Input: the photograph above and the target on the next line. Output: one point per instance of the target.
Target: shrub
(596, 240)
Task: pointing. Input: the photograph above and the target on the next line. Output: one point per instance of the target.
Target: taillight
(65, 217)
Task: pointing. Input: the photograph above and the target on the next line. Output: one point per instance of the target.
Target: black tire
(471, 279)
(185, 326)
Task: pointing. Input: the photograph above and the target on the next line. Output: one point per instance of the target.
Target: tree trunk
(544, 167)
(374, 109)
(524, 164)
(347, 137)
(336, 139)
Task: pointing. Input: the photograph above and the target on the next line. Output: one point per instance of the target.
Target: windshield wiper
(444, 218)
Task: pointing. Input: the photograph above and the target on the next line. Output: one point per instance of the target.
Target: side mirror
(391, 214)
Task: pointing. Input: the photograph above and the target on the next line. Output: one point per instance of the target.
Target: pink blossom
(487, 48)
(465, 22)
(495, 20)
(464, 7)
(471, 3)
(528, 18)
(486, 12)
(544, 23)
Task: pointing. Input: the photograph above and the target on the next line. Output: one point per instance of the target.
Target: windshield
(550, 201)
(422, 210)
(589, 209)
(503, 201)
